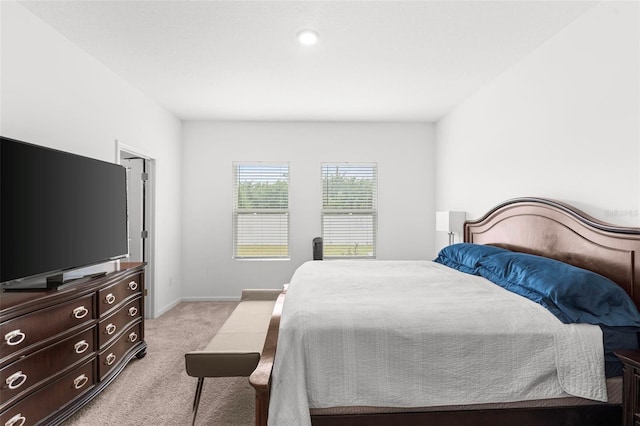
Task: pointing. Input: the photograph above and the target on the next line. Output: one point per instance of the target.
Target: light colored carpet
(156, 390)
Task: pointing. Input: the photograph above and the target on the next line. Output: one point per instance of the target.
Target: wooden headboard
(556, 230)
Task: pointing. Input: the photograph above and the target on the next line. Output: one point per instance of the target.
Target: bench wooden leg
(196, 400)
(262, 408)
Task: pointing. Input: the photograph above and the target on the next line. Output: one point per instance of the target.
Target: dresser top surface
(12, 300)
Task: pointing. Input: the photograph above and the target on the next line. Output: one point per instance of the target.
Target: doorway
(136, 195)
(140, 195)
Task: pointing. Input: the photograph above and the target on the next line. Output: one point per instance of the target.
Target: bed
(534, 226)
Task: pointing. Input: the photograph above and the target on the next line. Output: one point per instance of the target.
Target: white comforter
(416, 333)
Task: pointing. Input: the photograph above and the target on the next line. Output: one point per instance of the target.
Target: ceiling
(375, 60)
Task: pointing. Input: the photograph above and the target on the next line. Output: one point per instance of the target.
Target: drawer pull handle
(110, 298)
(80, 381)
(133, 286)
(80, 312)
(14, 337)
(111, 358)
(133, 311)
(16, 380)
(81, 346)
(133, 337)
(17, 420)
(110, 329)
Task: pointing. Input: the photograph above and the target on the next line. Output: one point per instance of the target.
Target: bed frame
(532, 225)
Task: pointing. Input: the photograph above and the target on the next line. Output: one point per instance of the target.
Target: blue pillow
(572, 294)
(465, 257)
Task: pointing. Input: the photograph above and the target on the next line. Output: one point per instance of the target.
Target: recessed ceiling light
(308, 37)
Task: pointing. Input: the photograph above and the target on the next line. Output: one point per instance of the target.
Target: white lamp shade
(450, 221)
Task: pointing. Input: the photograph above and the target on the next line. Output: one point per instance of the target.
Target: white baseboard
(211, 299)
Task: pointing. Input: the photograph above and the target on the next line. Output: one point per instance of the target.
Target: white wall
(53, 94)
(563, 124)
(404, 153)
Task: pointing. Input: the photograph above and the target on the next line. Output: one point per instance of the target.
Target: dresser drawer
(25, 373)
(110, 327)
(45, 325)
(52, 397)
(112, 297)
(114, 354)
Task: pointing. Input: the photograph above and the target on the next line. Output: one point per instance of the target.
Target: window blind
(260, 210)
(349, 210)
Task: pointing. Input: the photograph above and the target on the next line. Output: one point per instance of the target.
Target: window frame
(238, 212)
(371, 212)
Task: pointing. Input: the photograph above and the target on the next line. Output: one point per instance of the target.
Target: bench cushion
(236, 347)
(260, 294)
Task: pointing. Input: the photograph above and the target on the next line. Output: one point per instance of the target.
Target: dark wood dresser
(61, 347)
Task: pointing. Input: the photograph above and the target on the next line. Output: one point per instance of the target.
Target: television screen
(58, 211)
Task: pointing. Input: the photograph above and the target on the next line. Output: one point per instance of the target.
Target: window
(349, 210)
(260, 210)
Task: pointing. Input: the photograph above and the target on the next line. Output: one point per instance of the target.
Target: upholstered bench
(235, 349)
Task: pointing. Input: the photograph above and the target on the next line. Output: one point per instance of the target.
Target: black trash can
(317, 248)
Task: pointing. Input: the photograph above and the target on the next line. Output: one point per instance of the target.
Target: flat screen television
(58, 212)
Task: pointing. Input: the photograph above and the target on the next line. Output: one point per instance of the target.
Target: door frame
(149, 219)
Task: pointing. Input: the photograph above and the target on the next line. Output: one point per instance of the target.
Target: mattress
(408, 334)
(614, 393)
